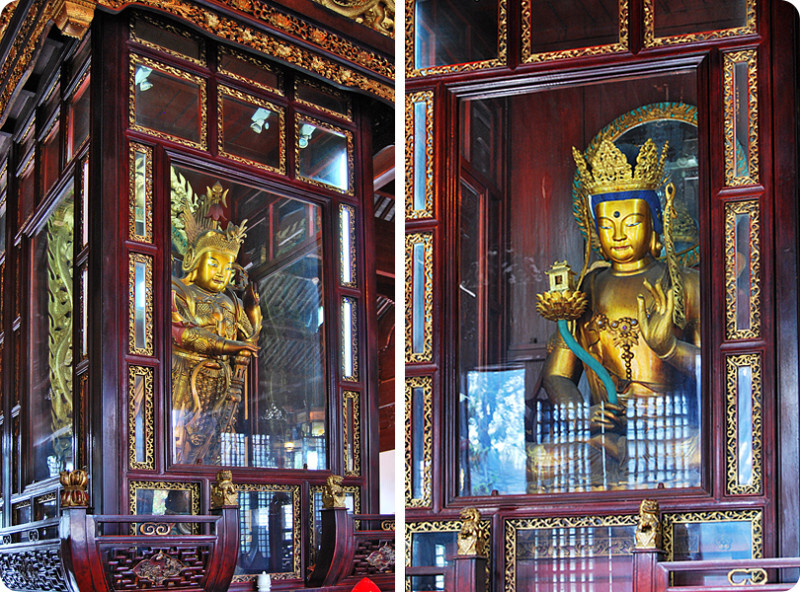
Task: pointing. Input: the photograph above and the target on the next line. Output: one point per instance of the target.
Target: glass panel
(325, 99)
(164, 498)
(552, 559)
(418, 301)
(3, 219)
(271, 375)
(447, 34)
(51, 342)
(141, 312)
(140, 418)
(349, 340)
(697, 16)
(552, 27)
(741, 122)
(711, 541)
(742, 270)
(168, 102)
(50, 158)
(419, 465)
(247, 68)
(269, 531)
(420, 154)
(419, 293)
(347, 245)
(251, 130)
(141, 193)
(432, 549)
(78, 118)
(743, 280)
(26, 193)
(532, 417)
(744, 381)
(743, 424)
(84, 312)
(163, 36)
(324, 155)
(85, 202)
(741, 118)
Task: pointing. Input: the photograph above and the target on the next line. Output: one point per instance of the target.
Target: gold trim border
(148, 418)
(299, 120)
(147, 237)
(484, 538)
(749, 57)
(732, 365)
(312, 491)
(755, 517)
(246, 57)
(147, 260)
(136, 60)
(192, 487)
(512, 525)
(426, 384)
(426, 355)
(502, 46)
(529, 57)
(732, 208)
(356, 432)
(347, 116)
(427, 98)
(225, 91)
(354, 333)
(294, 491)
(347, 244)
(650, 39)
(157, 22)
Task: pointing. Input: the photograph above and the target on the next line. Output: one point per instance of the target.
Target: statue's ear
(655, 245)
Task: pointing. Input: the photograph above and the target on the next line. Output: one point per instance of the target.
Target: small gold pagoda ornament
(76, 488)
(648, 532)
(223, 493)
(333, 494)
(562, 301)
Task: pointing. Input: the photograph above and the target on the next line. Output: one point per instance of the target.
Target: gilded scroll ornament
(375, 14)
(425, 383)
(214, 331)
(423, 281)
(412, 139)
(75, 490)
(223, 493)
(651, 40)
(141, 404)
(73, 17)
(755, 519)
(648, 531)
(743, 260)
(741, 152)
(468, 542)
(351, 427)
(747, 576)
(733, 450)
(333, 494)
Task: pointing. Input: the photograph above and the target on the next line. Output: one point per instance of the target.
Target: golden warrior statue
(641, 326)
(214, 332)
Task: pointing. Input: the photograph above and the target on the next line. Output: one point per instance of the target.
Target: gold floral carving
(732, 210)
(294, 492)
(650, 39)
(5, 16)
(158, 568)
(147, 262)
(426, 240)
(347, 244)
(502, 46)
(425, 97)
(75, 492)
(528, 56)
(353, 321)
(73, 17)
(141, 404)
(351, 427)
(513, 526)
(732, 419)
(17, 65)
(732, 100)
(223, 492)
(426, 384)
(375, 14)
(140, 179)
(754, 517)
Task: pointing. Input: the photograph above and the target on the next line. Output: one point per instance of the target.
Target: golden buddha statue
(642, 324)
(214, 334)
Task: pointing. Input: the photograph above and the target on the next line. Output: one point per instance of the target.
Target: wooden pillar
(644, 569)
(469, 573)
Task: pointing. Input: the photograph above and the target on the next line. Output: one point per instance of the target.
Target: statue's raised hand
(252, 306)
(656, 325)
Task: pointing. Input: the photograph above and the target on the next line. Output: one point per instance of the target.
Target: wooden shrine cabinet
(516, 113)
(188, 285)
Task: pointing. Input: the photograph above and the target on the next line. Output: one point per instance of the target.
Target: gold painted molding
(371, 72)
(375, 14)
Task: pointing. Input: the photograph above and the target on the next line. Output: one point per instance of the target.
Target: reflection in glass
(718, 540)
(26, 193)
(51, 342)
(323, 155)
(276, 414)
(50, 157)
(744, 412)
(250, 129)
(352, 435)
(418, 464)
(166, 499)
(85, 202)
(347, 245)
(84, 312)
(741, 122)
(140, 401)
(447, 34)
(3, 222)
(140, 305)
(743, 279)
(418, 298)
(162, 36)
(142, 188)
(349, 343)
(698, 16)
(432, 549)
(325, 99)
(250, 69)
(266, 531)
(168, 102)
(552, 559)
(78, 118)
(571, 24)
(420, 154)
